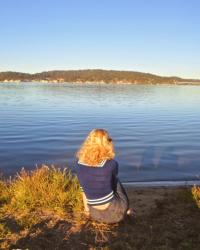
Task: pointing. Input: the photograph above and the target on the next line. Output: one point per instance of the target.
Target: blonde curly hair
(98, 146)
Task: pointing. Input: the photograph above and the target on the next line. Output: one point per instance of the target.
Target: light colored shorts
(117, 209)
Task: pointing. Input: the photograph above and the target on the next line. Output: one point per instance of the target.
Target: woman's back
(99, 182)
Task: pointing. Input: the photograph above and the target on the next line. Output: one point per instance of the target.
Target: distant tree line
(96, 75)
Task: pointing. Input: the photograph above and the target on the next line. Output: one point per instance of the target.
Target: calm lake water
(155, 128)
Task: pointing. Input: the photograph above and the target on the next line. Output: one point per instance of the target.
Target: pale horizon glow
(157, 37)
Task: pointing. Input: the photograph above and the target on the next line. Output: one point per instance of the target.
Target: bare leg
(122, 193)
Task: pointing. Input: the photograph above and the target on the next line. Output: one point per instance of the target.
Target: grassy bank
(43, 209)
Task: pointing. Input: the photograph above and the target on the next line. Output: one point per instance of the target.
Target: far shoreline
(103, 83)
(101, 76)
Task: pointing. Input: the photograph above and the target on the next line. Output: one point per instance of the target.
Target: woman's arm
(85, 203)
(115, 176)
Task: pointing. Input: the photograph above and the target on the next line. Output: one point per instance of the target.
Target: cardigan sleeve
(115, 176)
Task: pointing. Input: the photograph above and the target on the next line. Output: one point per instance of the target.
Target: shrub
(196, 195)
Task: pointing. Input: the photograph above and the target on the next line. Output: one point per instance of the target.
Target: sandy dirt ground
(144, 199)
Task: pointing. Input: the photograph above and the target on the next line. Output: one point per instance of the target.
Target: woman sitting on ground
(104, 197)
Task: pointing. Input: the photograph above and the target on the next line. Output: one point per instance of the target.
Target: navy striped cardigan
(99, 182)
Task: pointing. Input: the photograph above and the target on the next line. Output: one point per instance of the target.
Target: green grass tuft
(4, 192)
(43, 191)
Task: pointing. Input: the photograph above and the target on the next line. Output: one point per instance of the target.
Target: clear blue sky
(156, 36)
